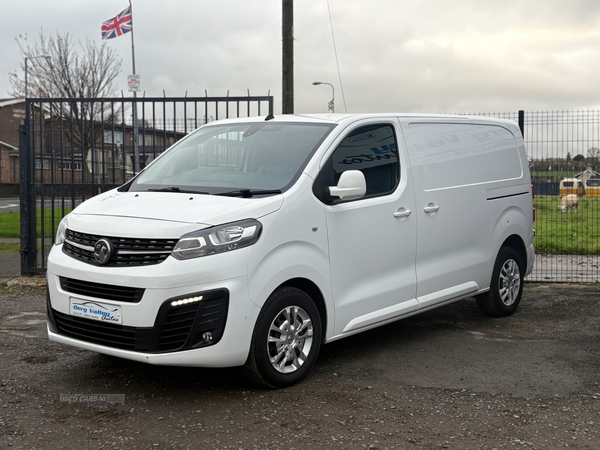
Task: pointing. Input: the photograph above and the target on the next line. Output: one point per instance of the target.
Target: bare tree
(66, 73)
(593, 152)
(56, 70)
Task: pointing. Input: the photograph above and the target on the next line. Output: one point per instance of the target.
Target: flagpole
(136, 150)
(132, 42)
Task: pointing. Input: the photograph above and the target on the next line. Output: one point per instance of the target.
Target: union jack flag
(117, 26)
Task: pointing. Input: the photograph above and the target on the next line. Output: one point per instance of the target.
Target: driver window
(373, 151)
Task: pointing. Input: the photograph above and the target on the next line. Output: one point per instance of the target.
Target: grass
(573, 232)
(10, 227)
(10, 223)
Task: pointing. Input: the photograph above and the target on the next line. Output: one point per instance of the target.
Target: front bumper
(152, 330)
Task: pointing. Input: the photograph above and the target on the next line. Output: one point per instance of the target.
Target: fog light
(207, 336)
(185, 301)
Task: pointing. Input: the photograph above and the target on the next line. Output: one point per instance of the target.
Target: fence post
(25, 188)
(522, 122)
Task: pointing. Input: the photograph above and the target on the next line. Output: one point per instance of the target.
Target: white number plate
(95, 310)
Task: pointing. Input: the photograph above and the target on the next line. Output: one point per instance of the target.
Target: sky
(430, 56)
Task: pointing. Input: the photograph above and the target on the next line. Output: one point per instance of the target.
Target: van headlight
(219, 239)
(61, 231)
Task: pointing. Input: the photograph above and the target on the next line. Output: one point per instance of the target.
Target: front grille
(101, 291)
(128, 251)
(103, 333)
(176, 327)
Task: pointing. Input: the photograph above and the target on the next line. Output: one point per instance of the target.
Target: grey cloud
(414, 55)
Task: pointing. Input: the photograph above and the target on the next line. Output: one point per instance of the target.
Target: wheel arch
(313, 291)
(516, 243)
(279, 362)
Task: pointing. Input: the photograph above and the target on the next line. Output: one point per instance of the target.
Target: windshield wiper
(177, 189)
(249, 192)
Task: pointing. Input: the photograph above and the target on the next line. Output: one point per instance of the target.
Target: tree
(65, 73)
(593, 152)
(56, 70)
(578, 158)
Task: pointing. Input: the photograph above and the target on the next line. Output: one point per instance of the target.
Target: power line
(336, 57)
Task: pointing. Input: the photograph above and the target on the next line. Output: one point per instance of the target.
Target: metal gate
(73, 149)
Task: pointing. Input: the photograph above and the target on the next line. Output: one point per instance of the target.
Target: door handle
(431, 208)
(402, 213)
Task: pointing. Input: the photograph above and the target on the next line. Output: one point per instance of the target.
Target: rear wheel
(506, 286)
(286, 339)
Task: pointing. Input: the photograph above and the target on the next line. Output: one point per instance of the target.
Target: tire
(506, 286)
(286, 340)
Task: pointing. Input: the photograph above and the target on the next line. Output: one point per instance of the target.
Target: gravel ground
(566, 269)
(450, 378)
(10, 267)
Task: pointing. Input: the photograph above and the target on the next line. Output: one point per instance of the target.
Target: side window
(372, 150)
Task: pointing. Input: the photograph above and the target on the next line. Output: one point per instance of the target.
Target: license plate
(95, 311)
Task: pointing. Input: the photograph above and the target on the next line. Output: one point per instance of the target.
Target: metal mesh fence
(563, 151)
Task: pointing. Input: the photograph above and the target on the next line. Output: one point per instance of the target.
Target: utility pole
(288, 56)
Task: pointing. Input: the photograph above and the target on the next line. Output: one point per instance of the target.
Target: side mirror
(351, 185)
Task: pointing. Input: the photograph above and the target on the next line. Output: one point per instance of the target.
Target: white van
(251, 242)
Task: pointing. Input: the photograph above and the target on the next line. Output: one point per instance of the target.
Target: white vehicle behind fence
(252, 242)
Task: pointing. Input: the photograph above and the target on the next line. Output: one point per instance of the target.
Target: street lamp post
(331, 104)
(28, 172)
(27, 59)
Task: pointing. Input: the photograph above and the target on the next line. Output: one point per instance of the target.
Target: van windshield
(235, 159)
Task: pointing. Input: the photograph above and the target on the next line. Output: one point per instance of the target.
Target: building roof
(11, 147)
(10, 101)
(589, 171)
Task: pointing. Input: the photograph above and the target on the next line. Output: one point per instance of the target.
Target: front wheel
(506, 286)
(286, 340)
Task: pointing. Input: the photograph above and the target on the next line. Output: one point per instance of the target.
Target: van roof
(348, 118)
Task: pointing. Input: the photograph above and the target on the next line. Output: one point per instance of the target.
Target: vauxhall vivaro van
(251, 242)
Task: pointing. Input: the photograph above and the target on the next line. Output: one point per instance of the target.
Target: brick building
(59, 159)
(12, 114)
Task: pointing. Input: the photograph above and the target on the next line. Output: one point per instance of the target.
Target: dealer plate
(95, 310)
